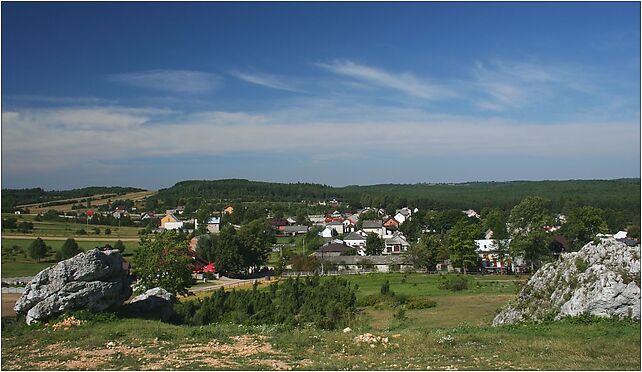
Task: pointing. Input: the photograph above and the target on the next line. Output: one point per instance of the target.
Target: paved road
(225, 283)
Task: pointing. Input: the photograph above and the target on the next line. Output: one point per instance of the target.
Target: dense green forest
(13, 197)
(621, 195)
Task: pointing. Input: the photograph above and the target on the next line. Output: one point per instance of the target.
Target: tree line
(455, 234)
(619, 199)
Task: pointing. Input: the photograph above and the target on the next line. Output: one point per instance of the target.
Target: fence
(13, 289)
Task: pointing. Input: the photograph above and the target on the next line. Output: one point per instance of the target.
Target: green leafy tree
(532, 247)
(227, 252)
(411, 229)
(374, 245)
(255, 239)
(530, 214)
(527, 221)
(37, 249)
(163, 261)
(582, 225)
(495, 220)
(120, 246)
(425, 254)
(68, 249)
(461, 240)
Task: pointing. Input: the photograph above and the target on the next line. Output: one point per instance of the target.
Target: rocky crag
(600, 279)
(94, 280)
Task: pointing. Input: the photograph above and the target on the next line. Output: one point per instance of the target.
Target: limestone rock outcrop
(154, 303)
(94, 280)
(600, 279)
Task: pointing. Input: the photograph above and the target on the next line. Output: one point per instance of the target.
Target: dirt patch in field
(8, 302)
(244, 351)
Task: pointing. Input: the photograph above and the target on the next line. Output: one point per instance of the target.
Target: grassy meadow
(16, 261)
(455, 334)
(68, 229)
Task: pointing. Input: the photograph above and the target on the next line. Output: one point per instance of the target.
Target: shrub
(369, 300)
(453, 283)
(417, 303)
(400, 314)
(581, 264)
(81, 232)
(107, 231)
(327, 304)
(385, 288)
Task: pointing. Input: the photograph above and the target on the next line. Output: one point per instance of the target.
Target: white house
(214, 225)
(471, 213)
(356, 241)
(336, 225)
(173, 225)
(400, 217)
(491, 261)
(316, 219)
(326, 232)
(396, 244)
(373, 226)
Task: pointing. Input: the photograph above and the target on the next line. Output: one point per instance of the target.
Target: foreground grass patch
(454, 334)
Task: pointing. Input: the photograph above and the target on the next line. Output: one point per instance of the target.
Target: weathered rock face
(155, 302)
(93, 280)
(602, 280)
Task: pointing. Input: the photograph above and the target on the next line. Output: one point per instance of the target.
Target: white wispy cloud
(58, 99)
(266, 80)
(403, 82)
(500, 85)
(174, 81)
(61, 138)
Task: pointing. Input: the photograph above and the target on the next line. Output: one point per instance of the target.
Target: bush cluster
(453, 283)
(327, 304)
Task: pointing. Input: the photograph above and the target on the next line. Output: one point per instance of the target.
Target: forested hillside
(621, 195)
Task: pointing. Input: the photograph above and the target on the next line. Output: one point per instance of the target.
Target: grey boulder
(600, 279)
(154, 303)
(94, 280)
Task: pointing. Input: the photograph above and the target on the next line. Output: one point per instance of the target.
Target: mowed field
(455, 334)
(96, 200)
(68, 229)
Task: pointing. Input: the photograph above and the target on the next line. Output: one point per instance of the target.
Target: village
(346, 236)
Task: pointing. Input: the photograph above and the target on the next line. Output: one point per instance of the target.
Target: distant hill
(14, 197)
(620, 195)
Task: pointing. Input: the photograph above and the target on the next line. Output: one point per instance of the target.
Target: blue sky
(148, 94)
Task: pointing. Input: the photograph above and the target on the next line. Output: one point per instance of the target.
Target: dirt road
(80, 238)
(8, 300)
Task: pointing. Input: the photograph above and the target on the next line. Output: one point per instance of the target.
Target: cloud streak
(403, 82)
(174, 81)
(265, 80)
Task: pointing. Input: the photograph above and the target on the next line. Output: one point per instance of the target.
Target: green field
(456, 334)
(16, 265)
(67, 229)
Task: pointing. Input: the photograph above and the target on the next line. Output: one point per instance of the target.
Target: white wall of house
(338, 227)
(327, 232)
(400, 218)
(379, 231)
(173, 225)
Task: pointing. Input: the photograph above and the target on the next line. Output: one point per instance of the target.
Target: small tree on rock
(120, 246)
